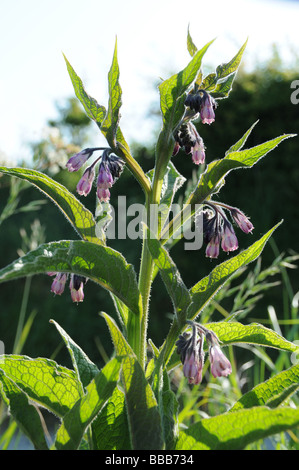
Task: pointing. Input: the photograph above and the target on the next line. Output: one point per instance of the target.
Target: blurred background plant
(266, 292)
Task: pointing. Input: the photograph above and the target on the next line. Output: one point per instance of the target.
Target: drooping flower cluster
(218, 230)
(76, 285)
(110, 168)
(190, 349)
(188, 138)
(202, 102)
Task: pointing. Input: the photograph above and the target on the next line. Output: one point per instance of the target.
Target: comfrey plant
(129, 403)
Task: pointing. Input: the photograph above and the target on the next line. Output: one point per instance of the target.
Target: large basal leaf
(273, 392)
(235, 430)
(44, 382)
(85, 369)
(93, 110)
(81, 218)
(142, 410)
(24, 413)
(76, 421)
(101, 264)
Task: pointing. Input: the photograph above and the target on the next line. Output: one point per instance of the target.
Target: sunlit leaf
(76, 421)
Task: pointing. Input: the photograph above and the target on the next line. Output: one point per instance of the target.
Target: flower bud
(85, 183)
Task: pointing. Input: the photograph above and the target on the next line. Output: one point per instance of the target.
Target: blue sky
(151, 43)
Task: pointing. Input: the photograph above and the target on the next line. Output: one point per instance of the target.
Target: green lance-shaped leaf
(44, 382)
(204, 290)
(235, 430)
(93, 110)
(101, 264)
(192, 49)
(76, 421)
(175, 286)
(24, 413)
(213, 178)
(81, 218)
(142, 410)
(172, 98)
(273, 392)
(254, 333)
(85, 369)
(218, 83)
(234, 333)
(110, 124)
(241, 142)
